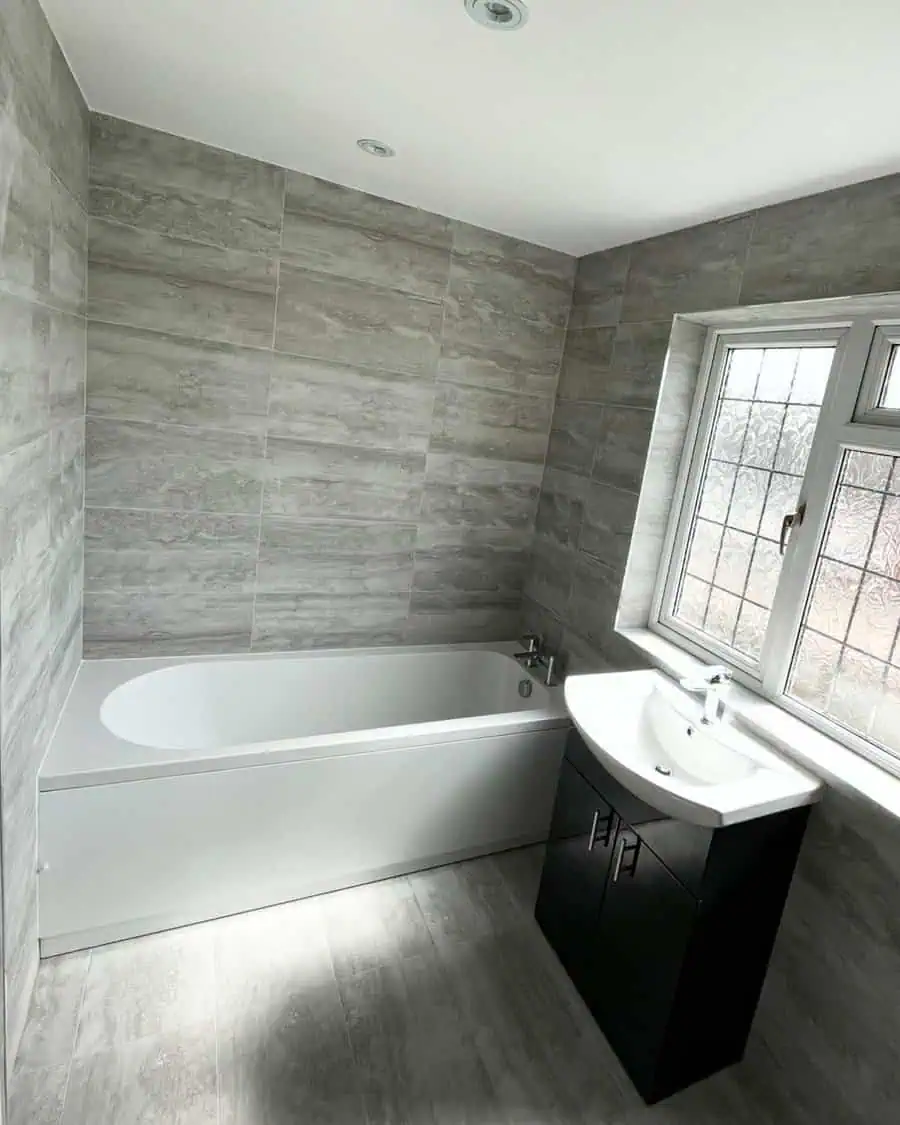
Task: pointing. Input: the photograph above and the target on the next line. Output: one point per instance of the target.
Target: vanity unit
(666, 924)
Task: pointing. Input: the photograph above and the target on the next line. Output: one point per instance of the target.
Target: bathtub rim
(68, 766)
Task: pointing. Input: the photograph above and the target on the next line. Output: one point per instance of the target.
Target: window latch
(790, 521)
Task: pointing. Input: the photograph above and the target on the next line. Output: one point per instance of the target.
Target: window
(783, 557)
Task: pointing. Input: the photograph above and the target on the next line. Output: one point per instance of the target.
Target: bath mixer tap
(535, 656)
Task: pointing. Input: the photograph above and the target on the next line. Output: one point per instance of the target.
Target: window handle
(791, 520)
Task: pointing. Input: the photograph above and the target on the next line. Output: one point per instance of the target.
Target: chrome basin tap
(709, 684)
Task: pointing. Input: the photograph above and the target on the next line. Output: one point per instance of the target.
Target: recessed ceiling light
(375, 148)
(500, 15)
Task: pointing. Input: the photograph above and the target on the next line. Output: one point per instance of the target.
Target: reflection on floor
(431, 999)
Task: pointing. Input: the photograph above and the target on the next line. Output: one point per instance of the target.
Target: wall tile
(549, 579)
(608, 524)
(290, 621)
(561, 510)
(573, 437)
(153, 552)
(599, 285)
(24, 371)
(697, 268)
(584, 375)
(637, 363)
(145, 465)
(829, 245)
(467, 568)
(334, 404)
(173, 186)
(306, 479)
(623, 437)
(152, 377)
(460, 625)
(490, 424)
(467, 491)
(593, 599)
(486, 348)
(149, 280)
(350, 322)
(128, 623)
(335, 230)
(493, 272)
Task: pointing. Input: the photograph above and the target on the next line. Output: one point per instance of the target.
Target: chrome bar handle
(610, 820)
(617, 864)
(593, 837)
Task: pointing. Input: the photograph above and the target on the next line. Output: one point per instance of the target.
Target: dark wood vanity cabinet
(666, 928)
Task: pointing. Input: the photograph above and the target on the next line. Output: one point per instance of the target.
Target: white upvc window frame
(849, 419)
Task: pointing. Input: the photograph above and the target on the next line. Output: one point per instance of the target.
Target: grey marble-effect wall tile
(178, 187)
(150, 280)
(25, 206)
(462, 625)
(462, 490)
(584, 375)
(334, 404)
(67, 286)
(688, 270)
(289, 621)
(182, 623)
(549, 578)
(468, 568)
(538, 619)
(49, 1037)
(489, 424)
(145, 465)
(69, 133)
(638, 360)
(641, 575)
(593, 599)
(487, 348)
(608, 524)
(350, 322)
(153, 377)
(24, 371)
(318, 559)
(169, 1078)
(561, 509)
(304, 479)
(36, 1097)
(66, 356)
(20, 944)
(834, 244)
(511, 277)
(599, 285)
(623, 438)
(335, 244)
(155, 552)
(573, 437)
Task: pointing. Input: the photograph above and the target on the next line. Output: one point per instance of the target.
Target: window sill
(820, 755)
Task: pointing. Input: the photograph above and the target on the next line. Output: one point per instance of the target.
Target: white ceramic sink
(647, 733)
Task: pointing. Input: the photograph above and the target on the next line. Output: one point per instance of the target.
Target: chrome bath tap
(535, 655)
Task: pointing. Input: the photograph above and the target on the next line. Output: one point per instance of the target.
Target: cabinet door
(641, 942)
(579, 853)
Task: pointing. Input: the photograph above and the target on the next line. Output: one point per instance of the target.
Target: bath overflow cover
(525, 688)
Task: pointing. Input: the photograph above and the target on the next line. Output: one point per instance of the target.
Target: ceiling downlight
(376, 148)
(498, 15)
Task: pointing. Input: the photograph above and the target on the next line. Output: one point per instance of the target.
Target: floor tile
(465, 901)
(372, 926)
(521, 871)
(36, 1096)
(49, 1034)
(147, 987)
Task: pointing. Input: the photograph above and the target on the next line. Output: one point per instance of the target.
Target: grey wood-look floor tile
(148, 465)
(162, 1080)
(171, 623)
(490, 424)
(175, 186)
(415, 1053)
(373, 926)
(49, 1036)
(510, 276)
(153, 377)
(351, 322)
(304, 479)
(150, 280)
(286, 621)
(335, 404)
(36, 1096)
(319, 558)
(180, 551)
(480, 492)
(465, 901)
(487, 348)
(599, 286)
(265, 956)
(147, 987)
(521, 869)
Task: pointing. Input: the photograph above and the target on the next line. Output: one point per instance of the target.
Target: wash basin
(648, 734)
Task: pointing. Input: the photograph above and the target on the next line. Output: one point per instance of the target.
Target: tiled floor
(430, 1000)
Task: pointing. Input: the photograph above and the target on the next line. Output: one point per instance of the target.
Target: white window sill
(822, 756)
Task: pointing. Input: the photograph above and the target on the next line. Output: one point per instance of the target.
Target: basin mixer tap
(709, 683)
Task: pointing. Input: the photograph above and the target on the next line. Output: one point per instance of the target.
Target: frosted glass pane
(751, 630)
(693, 601)
(853, 524)
(743, 370)
(734, 561)
(776, 374)
(886, 548)
(716, 494)
(890, 399)
(857, 689)
(764, 572)
(796, 439)
(722, 614)
(811, 378)
(814, 670)
(763, 434)
(731, 426)
(834, 592)
(886, 722)
(867, 470)
(876, 616)
(704, 551)
(748, 500)
(784, 492)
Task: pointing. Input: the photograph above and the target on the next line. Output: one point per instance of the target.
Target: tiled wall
(827, 1031)
(315, 417)
(830, 245)
(43, 243)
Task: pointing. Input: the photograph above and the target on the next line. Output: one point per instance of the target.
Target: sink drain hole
(664, 770)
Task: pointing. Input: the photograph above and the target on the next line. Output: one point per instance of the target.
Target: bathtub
(179, 790)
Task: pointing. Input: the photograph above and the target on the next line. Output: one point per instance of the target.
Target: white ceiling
(600, 122)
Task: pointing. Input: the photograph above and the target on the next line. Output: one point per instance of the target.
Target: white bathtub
(184, 789)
